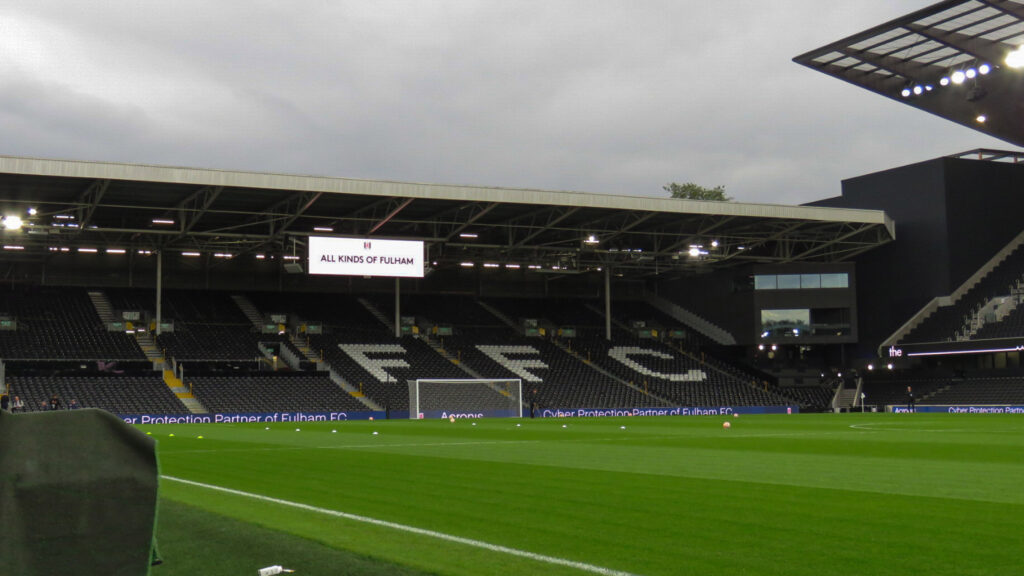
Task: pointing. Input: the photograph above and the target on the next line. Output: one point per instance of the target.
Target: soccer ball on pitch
(726, 425)
(451, 419)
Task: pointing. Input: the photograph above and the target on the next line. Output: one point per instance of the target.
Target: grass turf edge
(196, 541)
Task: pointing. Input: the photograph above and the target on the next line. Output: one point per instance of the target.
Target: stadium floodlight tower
(466, 398)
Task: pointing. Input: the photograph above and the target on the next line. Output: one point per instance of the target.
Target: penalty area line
(410, 529)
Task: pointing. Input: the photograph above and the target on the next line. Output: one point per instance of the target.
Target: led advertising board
(365, 257)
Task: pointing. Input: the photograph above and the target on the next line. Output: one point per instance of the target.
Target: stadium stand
(889, 390)
(59, 323)
(283, 392)
(947, 323)
(120, 394)
(553, 376)
(1006, 390)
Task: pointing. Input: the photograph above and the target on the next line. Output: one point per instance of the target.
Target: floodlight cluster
(956, 78)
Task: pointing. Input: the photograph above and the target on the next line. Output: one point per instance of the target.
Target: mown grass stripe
(411, 529)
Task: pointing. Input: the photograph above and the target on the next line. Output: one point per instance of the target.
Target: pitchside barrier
(297, 417)
(964, 409)
(78, 495)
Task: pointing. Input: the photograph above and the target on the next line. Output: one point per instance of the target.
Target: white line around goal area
(411, 529)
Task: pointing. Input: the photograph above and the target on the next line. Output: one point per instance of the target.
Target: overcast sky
(592, 96)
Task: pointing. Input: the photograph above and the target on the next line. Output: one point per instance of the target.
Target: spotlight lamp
(1015, 59)
(944, 81)
(984, 69)
(958, 77)
(11, 222)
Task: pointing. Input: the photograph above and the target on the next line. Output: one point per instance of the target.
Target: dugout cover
(78, 494)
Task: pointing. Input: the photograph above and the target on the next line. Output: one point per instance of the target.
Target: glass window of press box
(805, 322)
(801, 281)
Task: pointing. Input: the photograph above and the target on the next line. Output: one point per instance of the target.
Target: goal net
(467, 398)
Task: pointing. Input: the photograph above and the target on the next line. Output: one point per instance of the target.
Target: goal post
(466, 398)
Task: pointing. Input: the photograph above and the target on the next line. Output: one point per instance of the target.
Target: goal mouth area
(431, 398)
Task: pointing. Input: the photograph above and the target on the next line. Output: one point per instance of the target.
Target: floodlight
(944, 81)
(970, 72)
(981, 119)
(1015, 59)
(694, 252)
(12, 222)
(958, 77)
(918, 90)
(714, 243)
(984, 69)
(32, 211)
(905, 92)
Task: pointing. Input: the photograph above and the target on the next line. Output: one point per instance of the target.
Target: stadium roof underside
(948, 59)
(240, 214)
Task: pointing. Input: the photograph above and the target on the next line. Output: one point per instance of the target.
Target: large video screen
(365, 257)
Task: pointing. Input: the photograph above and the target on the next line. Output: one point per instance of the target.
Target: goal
(466, 398)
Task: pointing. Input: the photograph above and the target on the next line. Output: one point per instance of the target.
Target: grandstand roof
(140, 207)
(912, 59)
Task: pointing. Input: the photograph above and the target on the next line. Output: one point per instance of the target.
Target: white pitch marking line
(412, 529)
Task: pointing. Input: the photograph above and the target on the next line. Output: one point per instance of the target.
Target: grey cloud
(608, 97)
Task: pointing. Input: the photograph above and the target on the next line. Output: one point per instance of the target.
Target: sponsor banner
(365, 257)
(966, 409)
(446, 414)
(676, 411)
(234, 418)
(294, 417)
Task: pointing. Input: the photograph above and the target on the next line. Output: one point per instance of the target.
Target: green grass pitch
(803, 494)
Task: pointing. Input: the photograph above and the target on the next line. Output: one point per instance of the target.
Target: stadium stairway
(705, 327)
(561, 346)
(322, 366)
(440, 349)
(149, 348)
(389, 324)
(945, 301)
(500, 316)
(185, 396)
(249, 309)
(102, 305)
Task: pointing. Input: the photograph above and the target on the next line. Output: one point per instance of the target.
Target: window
(784, 323)
(801, 281)
(810, 281)
(789, 281)
(835, 280)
